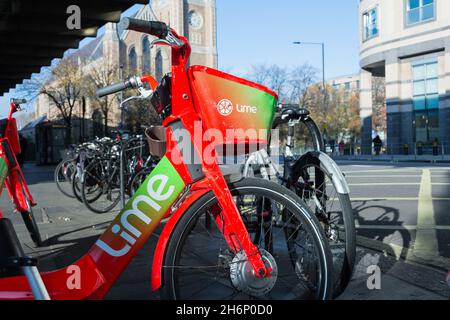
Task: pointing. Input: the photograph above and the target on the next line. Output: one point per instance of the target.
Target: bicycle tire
(89, 203)
(346, 270)
(57, 176)
(30, 223)
(263, 188)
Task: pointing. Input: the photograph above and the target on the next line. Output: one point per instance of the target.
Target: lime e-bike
(205, 249)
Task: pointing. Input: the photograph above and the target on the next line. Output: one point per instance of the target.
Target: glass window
(146, 55)
(432, 70)
(419, 11)
(132, 61)
(432, 101)
(419, 72)
(159, 66)
(370, 24)
(419, 88)
(432, 86)
(426, 101)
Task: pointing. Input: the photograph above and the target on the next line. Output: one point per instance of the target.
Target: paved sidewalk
(70, 230)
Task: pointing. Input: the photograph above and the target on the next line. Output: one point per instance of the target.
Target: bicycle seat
(293, 112)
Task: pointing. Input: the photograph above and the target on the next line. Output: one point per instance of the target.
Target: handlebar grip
(19, 101)
(117, 87)
(156, 28)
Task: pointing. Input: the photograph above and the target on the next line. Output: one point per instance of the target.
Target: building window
(370, 24)
(426, 101)
(418, 11)
(132, 61)
(159, 65)
(146, 55)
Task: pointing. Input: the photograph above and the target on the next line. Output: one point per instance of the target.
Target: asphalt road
(403, 227)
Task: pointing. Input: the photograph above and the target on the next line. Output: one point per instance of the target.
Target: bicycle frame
(171, 188)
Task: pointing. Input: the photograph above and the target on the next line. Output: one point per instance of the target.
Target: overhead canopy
(33, 33)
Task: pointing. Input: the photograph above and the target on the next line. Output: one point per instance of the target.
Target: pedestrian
(23, 147)
(377, 144)
(435, 147)
(341, 147)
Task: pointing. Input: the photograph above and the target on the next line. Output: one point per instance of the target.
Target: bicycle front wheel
(63, 177)
(316, 187)
(199, 264)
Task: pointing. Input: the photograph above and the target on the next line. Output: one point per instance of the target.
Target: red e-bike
(11, 173)
(214, 244)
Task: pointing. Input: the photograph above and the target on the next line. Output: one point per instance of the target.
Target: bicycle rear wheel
(199, 265)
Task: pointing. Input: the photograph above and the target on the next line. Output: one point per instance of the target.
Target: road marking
(382, 170)
(393, 199)
(385, 199)
(395, 176)
(377, 184)
(400, 227)
(385, 184)
(426, 244)
(386, 176)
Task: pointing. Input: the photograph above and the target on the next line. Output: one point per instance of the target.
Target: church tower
(111, 43)
(196, 20)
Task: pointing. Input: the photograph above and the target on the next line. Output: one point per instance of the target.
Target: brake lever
(170, 41)
(145, 93)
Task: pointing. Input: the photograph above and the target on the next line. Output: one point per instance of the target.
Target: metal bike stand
(122, 167)
(122, 182)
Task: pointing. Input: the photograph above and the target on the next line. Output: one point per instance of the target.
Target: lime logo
(225, 107)
(143, 211)
(125, 229)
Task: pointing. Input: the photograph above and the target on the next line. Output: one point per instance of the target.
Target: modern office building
(408, 43)
(348, 83)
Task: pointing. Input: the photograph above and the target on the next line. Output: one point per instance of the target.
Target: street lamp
(322, 44)
(323, 56)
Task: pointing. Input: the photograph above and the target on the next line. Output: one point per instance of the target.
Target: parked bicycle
(99, 162)
(204, 250)
(318, 181)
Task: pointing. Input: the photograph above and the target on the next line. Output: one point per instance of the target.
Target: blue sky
(262, 31)
(251, 32)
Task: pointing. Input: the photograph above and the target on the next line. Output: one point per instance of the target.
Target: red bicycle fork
(229, 219)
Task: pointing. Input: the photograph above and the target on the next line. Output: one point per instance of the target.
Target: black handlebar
(117, 87)
(155, 28)
(18, 102)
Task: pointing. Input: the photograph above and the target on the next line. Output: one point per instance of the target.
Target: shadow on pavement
(385, 228)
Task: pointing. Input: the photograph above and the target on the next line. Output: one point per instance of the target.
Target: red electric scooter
(11, 174)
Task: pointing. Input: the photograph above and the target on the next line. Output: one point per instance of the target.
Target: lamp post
(323, 56)
(324, 92)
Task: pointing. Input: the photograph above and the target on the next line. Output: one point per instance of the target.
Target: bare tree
(273, 77)
(301, 78)
(64, 89)
(101, 74)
